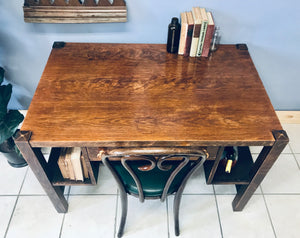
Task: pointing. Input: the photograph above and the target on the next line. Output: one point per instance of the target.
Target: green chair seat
(152, 181)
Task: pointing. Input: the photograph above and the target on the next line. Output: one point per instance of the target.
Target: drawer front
(94, 151)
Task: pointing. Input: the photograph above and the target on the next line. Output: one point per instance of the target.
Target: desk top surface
(137, 94)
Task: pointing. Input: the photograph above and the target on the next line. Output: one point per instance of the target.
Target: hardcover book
(183, 33)
(84, 168)
(196, 31)
(75, 154)
(204, 21)
(62, 164)
(209, 35)
(69, 164)
(190, 24)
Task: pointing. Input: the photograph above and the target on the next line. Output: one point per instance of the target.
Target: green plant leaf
(5, 94)
(4, 132)
(13, 119)
(9, 120)
(1, 75)
(9, 124)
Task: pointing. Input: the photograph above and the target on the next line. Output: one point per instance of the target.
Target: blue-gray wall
(271, 28)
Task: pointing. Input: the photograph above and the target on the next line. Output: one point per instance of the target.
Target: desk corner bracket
(58, 44)
(241, 46)
(22, 136)
(280, 135)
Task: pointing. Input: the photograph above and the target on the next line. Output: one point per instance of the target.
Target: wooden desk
(137, 95)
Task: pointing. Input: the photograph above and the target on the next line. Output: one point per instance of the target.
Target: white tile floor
(94, 211)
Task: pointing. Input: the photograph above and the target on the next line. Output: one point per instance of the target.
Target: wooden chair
(152, 173)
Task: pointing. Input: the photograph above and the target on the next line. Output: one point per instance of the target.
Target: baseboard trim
(289, 117)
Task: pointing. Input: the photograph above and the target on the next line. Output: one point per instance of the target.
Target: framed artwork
(74, 11)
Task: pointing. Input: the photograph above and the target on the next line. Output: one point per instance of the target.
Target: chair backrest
(152, 172)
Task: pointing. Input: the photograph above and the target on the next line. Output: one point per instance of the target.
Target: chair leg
(178, 195)
(124, 205)
(176, 206)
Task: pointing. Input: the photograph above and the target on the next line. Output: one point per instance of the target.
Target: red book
(209, 35)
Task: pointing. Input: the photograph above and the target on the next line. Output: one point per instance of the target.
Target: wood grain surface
(94, 94)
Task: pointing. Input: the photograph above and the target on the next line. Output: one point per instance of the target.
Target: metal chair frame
(149, 154)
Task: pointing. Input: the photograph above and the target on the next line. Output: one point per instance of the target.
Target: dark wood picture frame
(74, 11)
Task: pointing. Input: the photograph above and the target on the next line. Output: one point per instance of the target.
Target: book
(75, 154)
(84, 167)
(196, 31)
(204, 21)
(62, 164)
(72, 165)
(69, 164)
(209, 35)
(190, 25)
(183, 33)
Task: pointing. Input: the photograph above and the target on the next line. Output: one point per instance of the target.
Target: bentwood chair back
(152, 173)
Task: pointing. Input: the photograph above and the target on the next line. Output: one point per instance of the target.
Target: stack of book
(197, 30)
(72, 165)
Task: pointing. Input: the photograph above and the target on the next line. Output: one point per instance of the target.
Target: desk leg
(38, 164)
(262, 165)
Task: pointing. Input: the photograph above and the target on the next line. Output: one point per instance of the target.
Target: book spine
(69, 164)
(188, 42)
(183, 34)
(195, 40)
(207, 41)
(84, 168)
(63, 168)
(62, 164)
(76, 163)
(201, 38)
